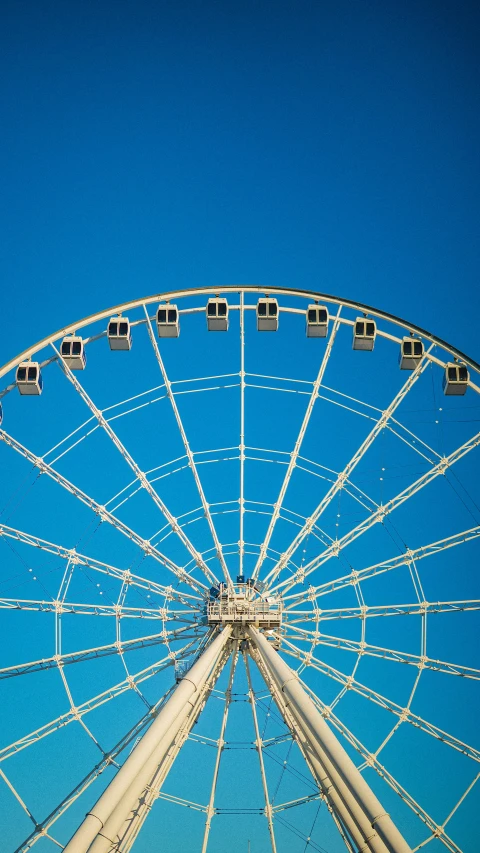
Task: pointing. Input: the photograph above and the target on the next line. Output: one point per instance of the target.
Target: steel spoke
(404, 714)
(344, 476)
(140, 475)
(408, 558)
(191, 458)
(104, 515)
(381, 513)
(298, 444)
(76, 713)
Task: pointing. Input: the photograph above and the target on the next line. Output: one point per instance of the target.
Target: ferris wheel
(239, 580)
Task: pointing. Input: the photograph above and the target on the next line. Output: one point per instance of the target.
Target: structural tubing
(98, 815)
(314, 723)
(110, 836)
(344, 804)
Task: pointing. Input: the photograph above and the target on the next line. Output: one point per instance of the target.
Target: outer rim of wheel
(236, 288)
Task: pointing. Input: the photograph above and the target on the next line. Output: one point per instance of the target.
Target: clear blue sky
(153, 144)
(148, 146)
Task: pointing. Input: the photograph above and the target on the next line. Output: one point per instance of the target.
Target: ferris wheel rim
(235, 288)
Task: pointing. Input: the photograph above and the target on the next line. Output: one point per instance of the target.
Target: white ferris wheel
(239, 580)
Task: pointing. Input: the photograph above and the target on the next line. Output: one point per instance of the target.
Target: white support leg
(319, 735)
(166, 720)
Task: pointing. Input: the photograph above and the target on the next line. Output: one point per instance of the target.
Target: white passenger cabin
(217, 315)
(317, 321)
(29, 378)
(119, 333)
(455, 380)
(364, 332)
(267, 315)
(411, 353)
(168, 324)
(72, 351)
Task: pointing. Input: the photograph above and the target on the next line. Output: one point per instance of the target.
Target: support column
(112, 835)
(319, 734)
(162, 730)
(341, 801)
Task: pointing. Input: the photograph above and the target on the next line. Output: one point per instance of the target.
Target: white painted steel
(288, 682)
(98, 815)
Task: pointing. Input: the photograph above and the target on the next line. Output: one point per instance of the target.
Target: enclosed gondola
(411, 353)
(217, 315)
(72, 351)
(364, 332)
(317, 321)
(267, 315)
(456, 378)
(168, 323)
(29, 378)
(119, 333)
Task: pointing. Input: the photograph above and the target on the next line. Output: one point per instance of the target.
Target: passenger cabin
(455, 381)
(72, 351)
(364, 332)
(411, 353)
(119, 333)
(267, 315)
(317, 321)
(168, 324)
(217, 315)
(29, 378)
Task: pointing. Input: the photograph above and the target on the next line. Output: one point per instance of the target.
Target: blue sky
(151, 146)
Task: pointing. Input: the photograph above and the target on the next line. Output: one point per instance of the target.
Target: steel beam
(162, 731)
(323, 743)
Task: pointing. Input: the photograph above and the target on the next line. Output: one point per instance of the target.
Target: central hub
(244, 603)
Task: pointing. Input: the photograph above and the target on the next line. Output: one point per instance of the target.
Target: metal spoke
(380, 514)
(140, 475)
(371, 760)
(104, 515)
(119, 648)
(343, 477)
(108, 759)
(210, 811)
(369, 611)
(76, 558)
(76, 713)
(190, 455)
(241, 544)
(404, 714)
(409, 557)
(259, 748)
(360, 647)
(298, 444)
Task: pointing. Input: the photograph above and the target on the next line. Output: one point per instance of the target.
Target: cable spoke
(104, 515)
(404, 714)
(190, 455)
(408, 558)
(380, 514)
(343, 477)
(298, 444)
